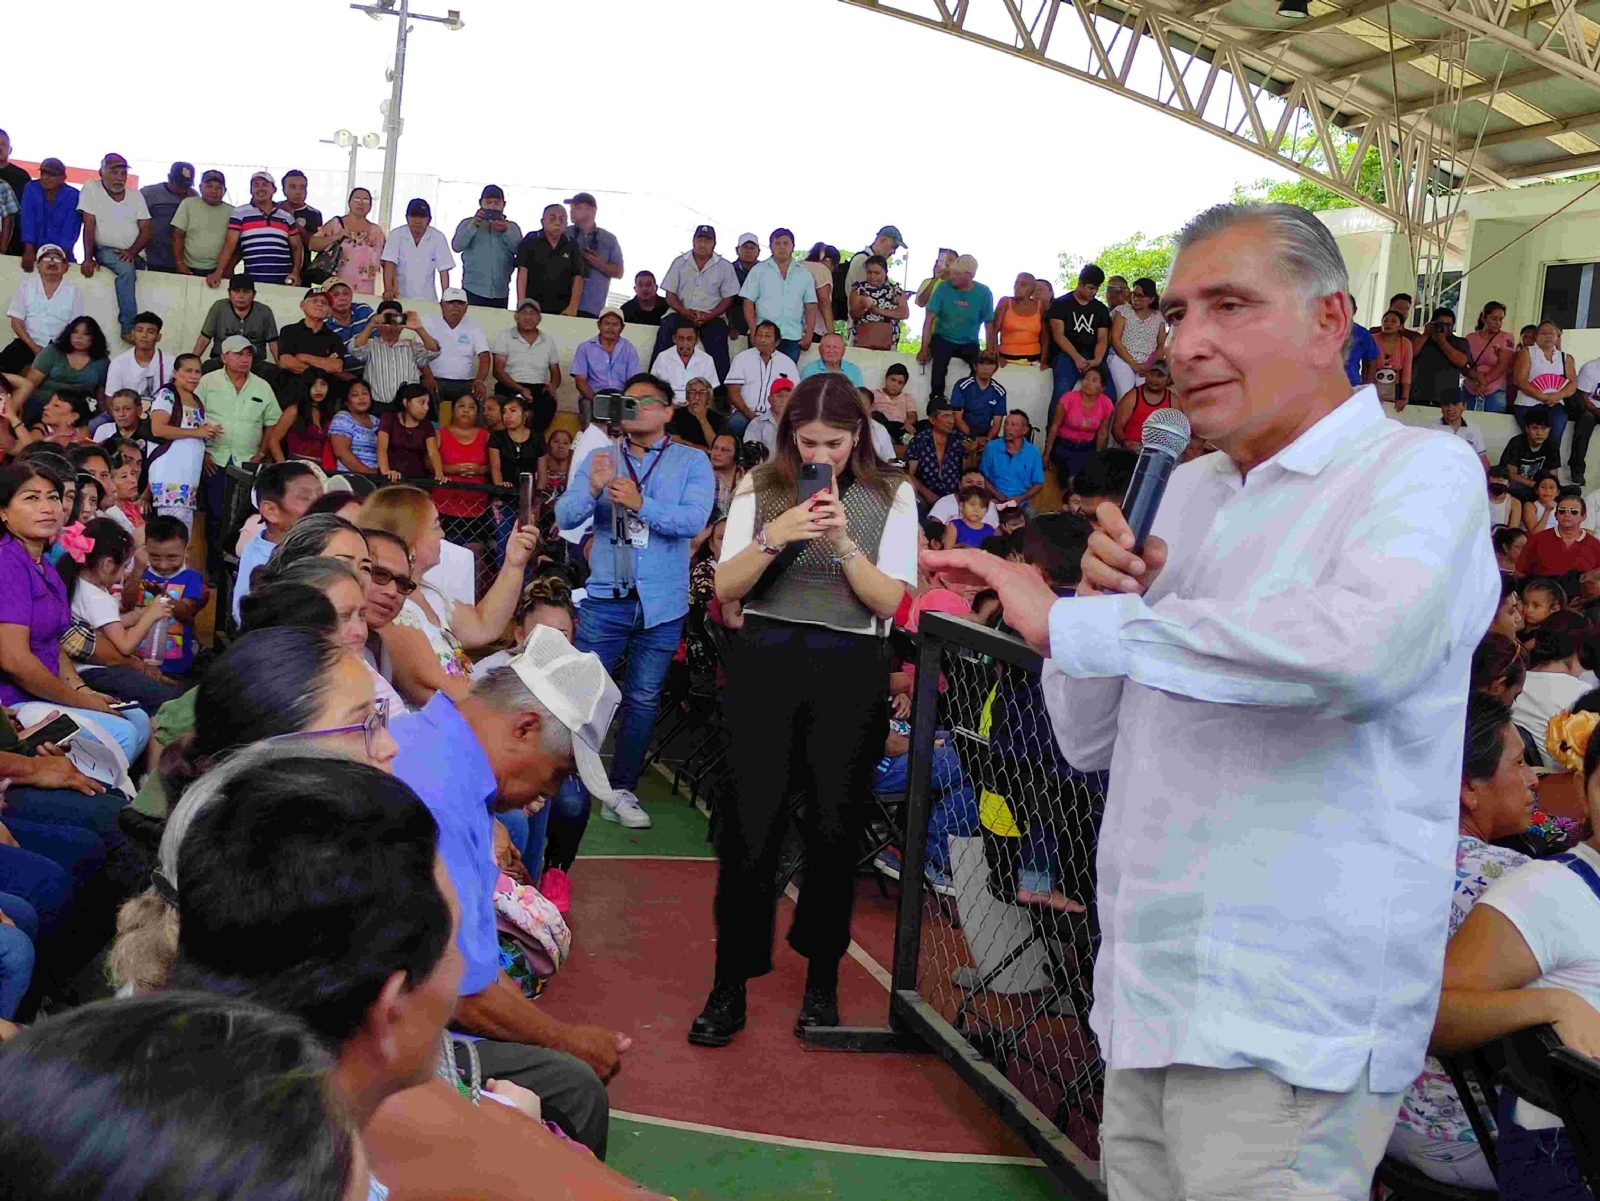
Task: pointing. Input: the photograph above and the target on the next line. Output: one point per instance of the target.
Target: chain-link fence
(994, 954)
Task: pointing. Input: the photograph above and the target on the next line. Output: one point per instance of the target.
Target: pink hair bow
(75, 543)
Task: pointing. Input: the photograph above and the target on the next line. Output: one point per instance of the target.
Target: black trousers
(16, 357)
(943, 352)
(487, 302)
(808, 708)
(1582, 420)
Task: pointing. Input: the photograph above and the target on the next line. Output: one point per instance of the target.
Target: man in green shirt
(200, 226)
(246, 408)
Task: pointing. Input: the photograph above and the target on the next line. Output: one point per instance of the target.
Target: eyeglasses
(383, 577)
(1569, 512)
(369, 729)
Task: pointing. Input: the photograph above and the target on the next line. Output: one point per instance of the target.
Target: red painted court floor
(643, 948)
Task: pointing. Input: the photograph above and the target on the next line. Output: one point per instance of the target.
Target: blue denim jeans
(953, 804)
(611, 629)
(127, 302)
(1495, 402)
(64, 807)
(790, 347)
(16, 959)
(527, 835)
(1064, 375)
(569, 817)
(131, 728)
(1535, 1165)
(38, 880)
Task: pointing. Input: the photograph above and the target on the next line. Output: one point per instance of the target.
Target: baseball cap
(964, 262)
(491, 191)
(214, 174)
(236, 342)
(181, 171)
(419, 208)
(48, 249)
(893, 231)
(315, 290)
(782, 384)
(528, 302)
(937, 404)
(52, 166)
(705, 231)
(266, 175)
(746, 237)
(617, 313)
(582, 198)
(578, 692)
(390, 306)
(242, 283)
(113, 159)
(1161, 366)
(453, 294)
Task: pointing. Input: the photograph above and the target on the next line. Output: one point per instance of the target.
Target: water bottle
(153, 646)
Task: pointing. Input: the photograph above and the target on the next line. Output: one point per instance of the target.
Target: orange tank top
(1019, 334)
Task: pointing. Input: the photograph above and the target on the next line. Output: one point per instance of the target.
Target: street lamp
(346, 140)
(397, 78)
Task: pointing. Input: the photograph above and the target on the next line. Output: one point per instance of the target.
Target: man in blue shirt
(347, 318)
(49, 212)
(959, 310)
(524, 728)
(1014, 467)
(830, 353)
(979, 401)
(783, 292)
(1363, 350)
(646, 508)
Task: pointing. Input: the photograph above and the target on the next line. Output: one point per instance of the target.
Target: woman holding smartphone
(819, 582)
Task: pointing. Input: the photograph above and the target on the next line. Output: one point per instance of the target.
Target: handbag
(533, 936)
(326, 264)
(876, 335)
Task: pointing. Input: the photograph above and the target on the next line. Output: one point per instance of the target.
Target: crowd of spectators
(366, 439)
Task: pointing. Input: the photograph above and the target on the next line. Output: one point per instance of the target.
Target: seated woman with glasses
(289, 683)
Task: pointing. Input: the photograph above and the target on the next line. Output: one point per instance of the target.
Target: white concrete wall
(183, 300)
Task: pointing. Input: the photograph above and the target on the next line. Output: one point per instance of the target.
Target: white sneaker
(626, 811)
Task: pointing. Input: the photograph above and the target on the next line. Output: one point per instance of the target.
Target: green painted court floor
(677, 829)
(697, 1166)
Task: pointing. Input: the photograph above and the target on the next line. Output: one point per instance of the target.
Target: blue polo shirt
(1012, 474)
(979, 406)
(441, 761)
(846, 368)
(961, 315)
(1363, 349)
(779, 298)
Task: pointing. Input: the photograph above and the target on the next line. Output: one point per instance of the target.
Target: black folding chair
(1575, 1083)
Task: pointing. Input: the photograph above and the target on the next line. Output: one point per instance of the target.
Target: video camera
(611, 408)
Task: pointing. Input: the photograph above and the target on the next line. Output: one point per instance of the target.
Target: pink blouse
(1078, 426)
(1492, 355)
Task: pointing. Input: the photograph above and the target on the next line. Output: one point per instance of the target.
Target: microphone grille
(1167, 431)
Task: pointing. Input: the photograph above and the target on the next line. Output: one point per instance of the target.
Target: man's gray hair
(1304, 249)
(503, 689)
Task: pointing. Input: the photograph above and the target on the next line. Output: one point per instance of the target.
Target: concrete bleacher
(183, 300)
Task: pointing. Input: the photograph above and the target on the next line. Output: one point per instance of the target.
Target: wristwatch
(766, 547)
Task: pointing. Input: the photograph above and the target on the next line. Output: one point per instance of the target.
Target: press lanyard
(658, 450)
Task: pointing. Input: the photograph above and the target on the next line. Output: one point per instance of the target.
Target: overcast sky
(808, 113)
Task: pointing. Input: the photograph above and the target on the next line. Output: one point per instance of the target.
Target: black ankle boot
(721, 1019)
(819, 1007)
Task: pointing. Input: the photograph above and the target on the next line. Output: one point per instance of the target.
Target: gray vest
(813, 589)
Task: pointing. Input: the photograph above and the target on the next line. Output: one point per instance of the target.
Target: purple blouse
(33, 595)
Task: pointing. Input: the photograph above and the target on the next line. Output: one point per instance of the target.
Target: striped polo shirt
(264, 241)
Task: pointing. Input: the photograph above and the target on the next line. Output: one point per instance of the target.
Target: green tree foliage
(1308, 193)
(1131, 258)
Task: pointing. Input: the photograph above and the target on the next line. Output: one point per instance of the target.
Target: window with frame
(1570, 298)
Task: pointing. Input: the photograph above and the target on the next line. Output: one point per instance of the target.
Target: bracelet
(841, 560)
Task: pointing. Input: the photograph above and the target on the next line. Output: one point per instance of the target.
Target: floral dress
(446, 647)
(885, 295)
(1431, 1106)
(175, 471)
(361, 258)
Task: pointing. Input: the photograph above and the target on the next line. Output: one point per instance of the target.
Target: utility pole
(397, 80)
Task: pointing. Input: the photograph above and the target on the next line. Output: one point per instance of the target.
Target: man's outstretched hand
(1023, 592)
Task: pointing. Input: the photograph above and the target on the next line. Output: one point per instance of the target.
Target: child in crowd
(284, 491)
(891, 407)
(166, 547)
(1012, 520)
(1540, 598)
(113, 662)
(127, 420)
(969, 528)
(125, 479)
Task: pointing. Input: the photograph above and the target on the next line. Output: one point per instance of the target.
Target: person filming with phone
(807, 689)
(1277, 680)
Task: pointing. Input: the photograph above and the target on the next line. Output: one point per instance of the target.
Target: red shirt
(1546, 554)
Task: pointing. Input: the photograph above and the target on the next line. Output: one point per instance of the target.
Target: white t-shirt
(116, 224)
(881, 442)
(125, 372)
(948, 508)
(669, 365)
(590, 440)
(897, 549)
(1589, 377)
(44, 317)
(755, 377)
(1545, 694)
(1467, 434)
(94, 606)
(1558, 916)
(417, 264)
(459, 348)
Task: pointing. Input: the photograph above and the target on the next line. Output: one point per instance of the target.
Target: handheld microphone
(1166, 436)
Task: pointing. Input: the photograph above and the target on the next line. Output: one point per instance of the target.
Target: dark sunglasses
(382, 577)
